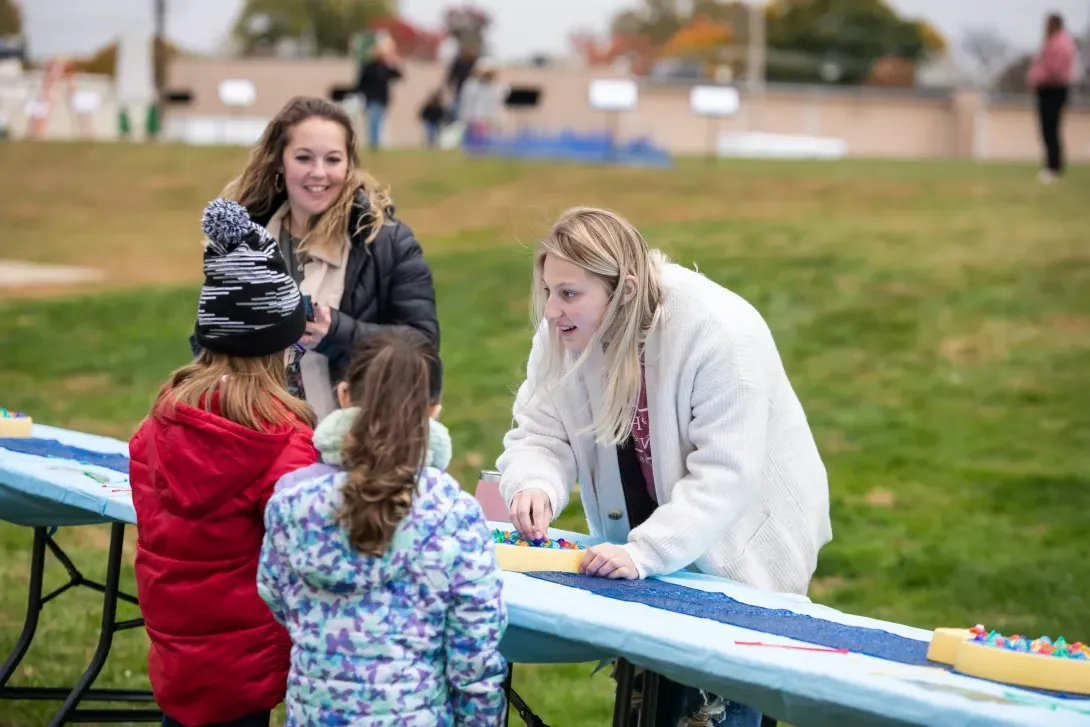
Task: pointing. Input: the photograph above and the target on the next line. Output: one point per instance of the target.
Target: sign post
(613, 95)
(714, 103)
(235, 93)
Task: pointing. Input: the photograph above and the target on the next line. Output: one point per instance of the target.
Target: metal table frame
(70, 711)
(624, 705)
(71, 697)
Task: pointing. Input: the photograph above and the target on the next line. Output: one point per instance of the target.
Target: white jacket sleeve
(731, 407)
(536, 451)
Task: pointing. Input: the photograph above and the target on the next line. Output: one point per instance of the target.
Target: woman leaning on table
(663, 395)
(361, 266)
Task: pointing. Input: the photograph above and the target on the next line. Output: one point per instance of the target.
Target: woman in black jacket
(362, 268)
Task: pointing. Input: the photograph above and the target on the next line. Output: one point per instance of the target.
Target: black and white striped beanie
(250, 306)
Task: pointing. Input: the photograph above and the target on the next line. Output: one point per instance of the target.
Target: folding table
(794, 660)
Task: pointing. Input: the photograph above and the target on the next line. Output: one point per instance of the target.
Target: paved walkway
(19, 274)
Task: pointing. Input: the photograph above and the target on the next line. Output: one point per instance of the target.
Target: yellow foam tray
(524, 559)
(16, 428)
(944, 644)
(1036, 671)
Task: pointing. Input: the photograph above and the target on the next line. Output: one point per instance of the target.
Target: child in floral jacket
(382, 569)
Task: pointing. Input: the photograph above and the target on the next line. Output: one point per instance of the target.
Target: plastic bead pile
(508, 537)
(1043, 646)
(8, 414)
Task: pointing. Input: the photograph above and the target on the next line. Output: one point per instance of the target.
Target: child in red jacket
(222, 430)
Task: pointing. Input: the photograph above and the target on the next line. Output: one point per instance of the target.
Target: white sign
(613, 94)
(237, 92)
(714, 100)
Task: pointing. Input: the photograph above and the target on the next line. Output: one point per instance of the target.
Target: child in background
(222, 430)
(433, 114)
(383, 569)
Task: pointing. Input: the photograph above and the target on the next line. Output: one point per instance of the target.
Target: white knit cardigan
(741, 488)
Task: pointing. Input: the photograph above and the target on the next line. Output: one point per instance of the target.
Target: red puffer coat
(200, 484)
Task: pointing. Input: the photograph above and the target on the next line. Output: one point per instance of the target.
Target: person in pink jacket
(1050, 77)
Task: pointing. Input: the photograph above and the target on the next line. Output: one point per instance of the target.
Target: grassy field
(934, 318)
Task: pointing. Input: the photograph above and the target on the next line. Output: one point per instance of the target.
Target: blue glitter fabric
(778, 622)
(53, 448)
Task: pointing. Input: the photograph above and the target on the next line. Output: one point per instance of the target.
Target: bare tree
(990, 50)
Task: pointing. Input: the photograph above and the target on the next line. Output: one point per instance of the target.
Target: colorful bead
(1043, 646)
(8, 414)
(508, 537)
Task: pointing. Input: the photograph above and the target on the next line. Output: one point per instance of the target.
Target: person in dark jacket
(433, 114)
(361, 266)
(376, 75)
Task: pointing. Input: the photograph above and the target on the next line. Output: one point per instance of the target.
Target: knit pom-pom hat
(249, 306)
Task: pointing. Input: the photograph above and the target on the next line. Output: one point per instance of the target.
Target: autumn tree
(11, 18)
(328, 24)
(104, 60)
(848, 34)
(467, 24)
(701, 39)
(411, 41)
(807, 40)
(661, 20)
(636, 51)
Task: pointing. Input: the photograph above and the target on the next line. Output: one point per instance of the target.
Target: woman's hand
(531, 513)
(608, 561)
(317, 328)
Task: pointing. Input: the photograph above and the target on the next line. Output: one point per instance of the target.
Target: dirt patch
(100, 427)
(995, 339)
(22, 274)
(821, 587)
(85, 383)
(833, 441)
(881, 498)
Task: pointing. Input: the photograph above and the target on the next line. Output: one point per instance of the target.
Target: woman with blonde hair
(663, 395)
(361, 267)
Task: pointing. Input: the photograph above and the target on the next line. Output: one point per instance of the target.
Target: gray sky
(520, 27)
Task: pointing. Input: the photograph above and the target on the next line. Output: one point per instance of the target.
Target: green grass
(933, 317)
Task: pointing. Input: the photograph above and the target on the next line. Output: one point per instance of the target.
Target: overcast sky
(521, 27)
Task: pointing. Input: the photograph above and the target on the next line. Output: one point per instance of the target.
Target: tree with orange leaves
(699, 37)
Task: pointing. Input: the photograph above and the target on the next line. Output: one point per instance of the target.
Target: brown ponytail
(385, 448)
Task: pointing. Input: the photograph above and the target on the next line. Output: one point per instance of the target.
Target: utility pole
(159, 62)
(755, 61)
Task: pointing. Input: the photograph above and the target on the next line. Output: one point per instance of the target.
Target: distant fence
(869, 121)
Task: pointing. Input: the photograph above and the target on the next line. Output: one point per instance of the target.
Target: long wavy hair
(259, 191)
(384, 450)
(253, 394)
(610, 248)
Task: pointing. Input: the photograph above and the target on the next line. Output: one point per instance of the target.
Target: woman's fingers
(520, 514)
(592, 561)
(608, 561)
(542, 512)
(531, 513)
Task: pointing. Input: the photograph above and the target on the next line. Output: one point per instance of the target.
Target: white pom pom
(227, 224)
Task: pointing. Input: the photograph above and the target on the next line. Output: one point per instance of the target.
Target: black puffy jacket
(387, 283)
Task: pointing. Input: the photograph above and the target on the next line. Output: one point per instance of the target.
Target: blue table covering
(61, 477)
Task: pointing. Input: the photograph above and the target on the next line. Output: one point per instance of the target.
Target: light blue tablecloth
(558, 624)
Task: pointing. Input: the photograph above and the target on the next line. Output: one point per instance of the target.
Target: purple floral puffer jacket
(408, 639)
